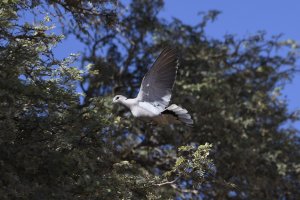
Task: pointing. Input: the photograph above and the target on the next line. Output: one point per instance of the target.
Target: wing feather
(158, 82)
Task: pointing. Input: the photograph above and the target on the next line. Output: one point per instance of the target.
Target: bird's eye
(117, 98)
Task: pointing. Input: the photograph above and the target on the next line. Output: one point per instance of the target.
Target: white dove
(155, 93)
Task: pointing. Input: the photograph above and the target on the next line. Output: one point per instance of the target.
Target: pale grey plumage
(156, 91)
(158, 82)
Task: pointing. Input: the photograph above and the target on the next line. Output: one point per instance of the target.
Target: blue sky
(244, 18)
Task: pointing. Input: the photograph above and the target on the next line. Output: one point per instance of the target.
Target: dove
(152, 101)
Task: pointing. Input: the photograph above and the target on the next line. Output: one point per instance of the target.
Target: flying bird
(152, 101)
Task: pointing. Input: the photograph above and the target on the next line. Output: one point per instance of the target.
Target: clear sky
(245, 17)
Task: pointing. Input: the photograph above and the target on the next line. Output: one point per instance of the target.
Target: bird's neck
(129, 102)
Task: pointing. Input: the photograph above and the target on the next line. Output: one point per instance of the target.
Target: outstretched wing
(158, 82)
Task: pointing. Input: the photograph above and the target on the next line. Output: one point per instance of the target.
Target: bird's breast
(144, 110)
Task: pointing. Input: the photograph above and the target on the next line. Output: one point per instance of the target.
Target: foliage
(56, 143)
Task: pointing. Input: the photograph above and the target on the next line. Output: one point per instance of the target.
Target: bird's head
(119, 99)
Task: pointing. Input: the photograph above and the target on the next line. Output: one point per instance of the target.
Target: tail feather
(181, 114)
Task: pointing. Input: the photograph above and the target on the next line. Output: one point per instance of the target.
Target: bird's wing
(158, 82)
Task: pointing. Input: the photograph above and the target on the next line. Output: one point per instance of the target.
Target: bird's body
(145, 109)
(141, 109)
(154, 96)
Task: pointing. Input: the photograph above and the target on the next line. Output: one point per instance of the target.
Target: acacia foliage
(55, 147)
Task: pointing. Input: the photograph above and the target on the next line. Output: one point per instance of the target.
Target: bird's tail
(181, 114)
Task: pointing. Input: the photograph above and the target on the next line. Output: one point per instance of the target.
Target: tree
(55, 147)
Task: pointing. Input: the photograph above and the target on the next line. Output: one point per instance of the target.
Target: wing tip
(169, 49)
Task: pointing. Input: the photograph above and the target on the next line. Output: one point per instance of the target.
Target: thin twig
(168, 182)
